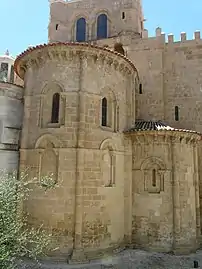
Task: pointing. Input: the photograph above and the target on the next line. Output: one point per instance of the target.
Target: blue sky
(25, 22)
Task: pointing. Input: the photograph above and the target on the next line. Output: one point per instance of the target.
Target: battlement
(170, 38)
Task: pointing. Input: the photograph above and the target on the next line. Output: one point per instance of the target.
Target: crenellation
(170, 38)
(183, 36)
(197, 35)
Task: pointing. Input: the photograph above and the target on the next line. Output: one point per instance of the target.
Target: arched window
(177, 113)
(104, 111)
(118, 47)
(12, 74)
(55, 108)
(81, 30)
(154, 178)
(102, 26)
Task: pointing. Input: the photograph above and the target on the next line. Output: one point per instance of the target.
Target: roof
(141, 125)
(70, 44)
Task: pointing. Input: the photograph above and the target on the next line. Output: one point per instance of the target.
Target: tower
(89, 20)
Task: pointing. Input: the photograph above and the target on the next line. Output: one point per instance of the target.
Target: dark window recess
(56, 27)
(140, 88)
(118, 47)
(55, 108)
(81, 30)
(104, 111)
(153, 178)
(102, 26)
(176, 113)
(123, 15)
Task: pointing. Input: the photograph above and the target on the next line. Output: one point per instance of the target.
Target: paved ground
(132, 259)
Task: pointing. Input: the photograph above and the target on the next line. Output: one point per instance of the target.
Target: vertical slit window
(56, 27)
(104, 111)
(176, 113)
(102, 26)
(123, 15)
(153, 178)
(55, 108)
(81, 30)
(140, 88)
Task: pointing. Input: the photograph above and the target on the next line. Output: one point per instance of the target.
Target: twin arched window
(55, 108)
(81, 30)
(102, 28)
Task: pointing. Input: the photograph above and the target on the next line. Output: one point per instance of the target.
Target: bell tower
(90, 20)
(131, 17)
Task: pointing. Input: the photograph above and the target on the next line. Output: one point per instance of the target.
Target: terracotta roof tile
(141, 125)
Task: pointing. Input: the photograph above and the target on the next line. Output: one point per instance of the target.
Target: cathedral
(115, 116)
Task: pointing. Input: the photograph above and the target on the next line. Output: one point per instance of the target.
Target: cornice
(37, 56)
(165, 136)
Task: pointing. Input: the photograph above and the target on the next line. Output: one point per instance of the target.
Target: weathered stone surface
(140, 189)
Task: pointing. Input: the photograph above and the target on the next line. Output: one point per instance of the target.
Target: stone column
(196, 175)
(176, 198)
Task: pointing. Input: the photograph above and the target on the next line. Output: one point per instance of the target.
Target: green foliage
(17, 239)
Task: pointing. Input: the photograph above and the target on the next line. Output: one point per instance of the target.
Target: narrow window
(102, 26)
(140, 88)
(123, 15)
(153, 178)
(104, 111)
(55, 108)
(4, 72)
(12, 74)
(176, 113)
(81, 30)
(56, 27)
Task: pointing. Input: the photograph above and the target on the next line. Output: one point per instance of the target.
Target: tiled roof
(141, 125)
(151, 126)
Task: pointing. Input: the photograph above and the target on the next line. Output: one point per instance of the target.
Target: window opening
(177, 113)
(81, 30)
(153, 178)
(140, 88)
(56, 26)
(123, 15)
(104, 111)
(55, 108)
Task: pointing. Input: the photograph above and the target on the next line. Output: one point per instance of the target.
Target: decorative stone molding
(147, 137)
(35, 57)
(156, 165)
(46, 140)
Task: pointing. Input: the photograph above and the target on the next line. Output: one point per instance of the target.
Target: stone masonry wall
(165, 214)
(11, 114)
(82, 211)
(65, 15)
